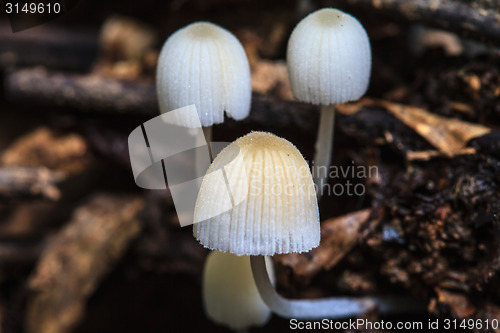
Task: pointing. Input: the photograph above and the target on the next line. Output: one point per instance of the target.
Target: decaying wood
(478, 18)
(97, 93)
(29, 181)
(77, 258)
(83, 92)
(68, 152)
(338, 236)
(65, 154)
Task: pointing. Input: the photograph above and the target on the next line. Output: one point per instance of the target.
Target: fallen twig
(100, 94)
(478, 18)
(29, 181)
(72, 265)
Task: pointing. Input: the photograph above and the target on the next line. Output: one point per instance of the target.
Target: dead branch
(83, 92)
(479, 19)
(76, 260)
(66, 154)
(97, 93)
(27, 181)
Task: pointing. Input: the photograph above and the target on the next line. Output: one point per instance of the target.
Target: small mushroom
(329, 62)
(279, 214)
(205, 65)
(230, 297)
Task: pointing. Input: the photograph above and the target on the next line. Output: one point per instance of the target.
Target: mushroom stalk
(323, 147)
(200, 153)
(331, 308)
(207, 132)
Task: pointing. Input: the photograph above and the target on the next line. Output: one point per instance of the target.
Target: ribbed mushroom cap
(230, 296)
(205, 65)
(276, 210)
(329, 58)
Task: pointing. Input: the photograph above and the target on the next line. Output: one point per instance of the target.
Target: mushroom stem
(200, 153)
(207, 132)
(332, 308)
(324, 143)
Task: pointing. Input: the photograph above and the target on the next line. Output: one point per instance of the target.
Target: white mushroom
(230, 296)
(205, 65)
(329, 62)
(276, 211)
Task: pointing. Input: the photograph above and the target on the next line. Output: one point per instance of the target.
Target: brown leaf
(338, 236)
(66, 152)
(448, 135)
(458, 303)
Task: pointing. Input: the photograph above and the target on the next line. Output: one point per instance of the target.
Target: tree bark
(477, 19)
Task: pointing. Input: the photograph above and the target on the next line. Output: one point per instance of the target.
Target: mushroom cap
(230, 296)
(275, 207)
(205, 65)
(329, 58)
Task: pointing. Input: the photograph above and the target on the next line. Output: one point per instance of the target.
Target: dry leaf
(338, 236)
(448, 135)
(458, 303)
(426, 155)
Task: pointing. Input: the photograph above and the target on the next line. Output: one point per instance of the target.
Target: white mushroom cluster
(266, 202)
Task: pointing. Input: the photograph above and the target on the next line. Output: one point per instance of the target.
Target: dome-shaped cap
(276, 210)
(205, 65)
(329, 58)
(230, 296)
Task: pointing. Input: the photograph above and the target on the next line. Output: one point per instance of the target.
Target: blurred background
(83, 249)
